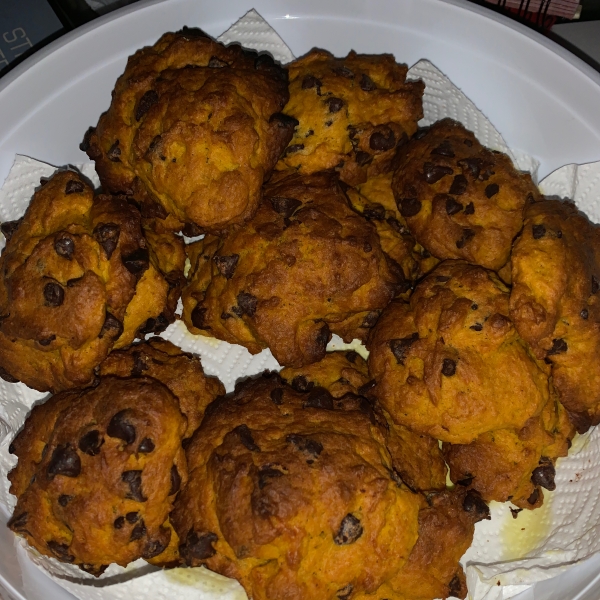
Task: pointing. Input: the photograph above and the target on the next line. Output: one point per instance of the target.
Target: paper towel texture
(514, 552)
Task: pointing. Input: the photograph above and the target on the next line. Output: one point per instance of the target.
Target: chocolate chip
(147, 101)
(595, 285)
(4, 374)
(319, 397)
(409, 207)
(138, 532)
(374, 212)
(134, 480)
(107, 235)
(265, 473)
(485, 175)
(351, 356)
(459, 185)
(91, 442)
(466, 481)
(455, 587)
(198, 317)
(227, 264)
(86, 142)
(216, 63)
(584, 314)
(472, 165)
(19, 522)
(114, 152)
(343, 72)
(474, 503)
(400, 347)
(47, 341)
(74, 186)
(119, 427)
(277, 396)
(310, 82)
(284, 121)
(350, 530)
(146, 446)
(64, 246)
(476, 327)
(367, 84)
(433, 173)
(64, 500)
(345, 592)
(558, 347)
(64, 461)
(305, 444)
(175, 481)
(452, 206)
(466, 236)
(246, 438)
(515, 512)
(132, 517)
(152, 210)
(444, 149)
(112, 326)
(535, 495)
(198, 547)
(538, 232)
(469, 209)
(421, 133)
(54, 295)
(382, 142)
(61, 551)
(137, 262)
(448, 367)
(492, 189)
(247, 303)
(334, 104)
(119, 522)
(544, 475)
(8, 228)
(11, 448)
(301, 384)
(154, 548)
(363, 158)
(285, 206)
(370, 320)
(225, 316)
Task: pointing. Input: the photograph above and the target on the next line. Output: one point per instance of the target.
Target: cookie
(98, 472)
(198, 125)
(77, 281)
(460, 199)
(304, 267)
(353, 113)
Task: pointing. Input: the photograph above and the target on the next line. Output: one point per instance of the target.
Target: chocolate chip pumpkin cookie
(353, 113)
(304, 267)
(98, 472)
(198, 124)
(76, 281)
(555, 301)
(460, 200)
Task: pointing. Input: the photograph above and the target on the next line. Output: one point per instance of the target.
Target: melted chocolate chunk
(216, 63)
(146, 446)
(138, 532)
(455, 587)
(448, 367)
(137, 262)
(374, 212)
(64, 500)
(469, 209)
(277, 396)
(334, 104)
(91, 442)
(175, 481)
(198, 317)
(544, 474)
(433, 173)
(471, 165)
(18, 523)
(245, 435)
(476, 327)
(107, 235)
(400, 347)
(466, 236)
(319, 397)
(382, 142)
(4, 374)
(444, 149)
(305, 444)
(284, 121)
(285, 206)
(459, 185)
(112, 326)
(134, 480)
(535, 496)
(301, 384)
(343, 72)
(345, 593)
(409, 207)
(47, 341)
(86, 142)
(350, 530)
(474, 503)
(114, 152)
(323, 335)
(538, 232)
(452, 206)
(363, 158)
(310, 82)
(54, 295)
(8, 228)
(198, 547)
(247, 303)
(119, 523)
(227, 264)
(154, 548)
(61, 551)
(370, 320)
(265, 473)
(132, 517)
(64, 461)
(492, 189)
(558, 347)
(147, 101)
(64, 246)
(120, 427)
(367, 84)
(74, 186)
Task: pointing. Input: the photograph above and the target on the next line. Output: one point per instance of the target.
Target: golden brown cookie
(292, 497)
(304, 267)
(514, 464)
(77, 280)
(198, 123)
(180, 371)
(460, 200)
(450, 363)
(98, 472)
(353, 113)
(416, 458)
(555, 301)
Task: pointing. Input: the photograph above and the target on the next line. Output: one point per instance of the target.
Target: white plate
(543, 100)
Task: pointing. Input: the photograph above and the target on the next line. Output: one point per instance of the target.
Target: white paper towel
(514, 552)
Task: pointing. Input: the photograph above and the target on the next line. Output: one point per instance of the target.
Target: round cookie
(304, 267)
(460, 200)
(180, 371)
(353, 113)
(293, 498)
(450, 364)
(77, 280)
(98, 472)
(555, 301)
(198, 124)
